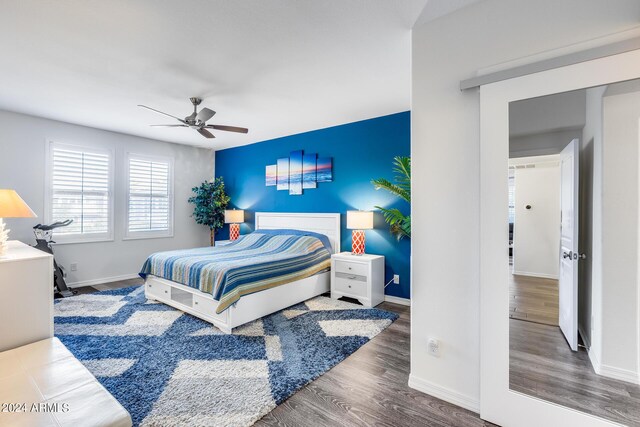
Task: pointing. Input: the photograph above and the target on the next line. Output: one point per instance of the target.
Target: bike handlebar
(52, 226)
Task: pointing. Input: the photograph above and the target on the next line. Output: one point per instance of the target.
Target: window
(80, 188)
(150, 197)
(512, 195)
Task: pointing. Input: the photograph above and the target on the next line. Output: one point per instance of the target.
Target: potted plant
(210, 202)
(399, 224)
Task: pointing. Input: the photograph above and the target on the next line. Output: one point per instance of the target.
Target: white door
(569, 243)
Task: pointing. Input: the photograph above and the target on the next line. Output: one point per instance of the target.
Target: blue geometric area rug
(168, 368)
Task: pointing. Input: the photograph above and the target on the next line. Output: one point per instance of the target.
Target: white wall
(590, 242)
(22, 167)
(542, 144)
(445, 155)
(536, 236)
(620, 230)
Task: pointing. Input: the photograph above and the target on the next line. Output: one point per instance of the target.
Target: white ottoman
(43, 384)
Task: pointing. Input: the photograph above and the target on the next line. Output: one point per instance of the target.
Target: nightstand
(223, 242)
(358, 276)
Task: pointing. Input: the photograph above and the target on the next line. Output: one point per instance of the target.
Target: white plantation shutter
(150, 203)
(512, 195)
(80, 189)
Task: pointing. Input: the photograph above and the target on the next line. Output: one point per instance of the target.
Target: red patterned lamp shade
(358, 221)
(234, 218)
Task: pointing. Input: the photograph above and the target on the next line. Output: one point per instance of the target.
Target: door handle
(574, 255)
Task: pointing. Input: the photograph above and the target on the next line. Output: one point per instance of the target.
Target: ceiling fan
(198, 120)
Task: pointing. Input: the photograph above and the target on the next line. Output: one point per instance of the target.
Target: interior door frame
(498, 403)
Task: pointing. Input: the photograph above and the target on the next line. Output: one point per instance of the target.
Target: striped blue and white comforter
(256, 262)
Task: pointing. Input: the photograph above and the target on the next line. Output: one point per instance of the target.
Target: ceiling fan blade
(228, 128)
(158, 111)
(170, 126)
(205, 114)
(205, 133)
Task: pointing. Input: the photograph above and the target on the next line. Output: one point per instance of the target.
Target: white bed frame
(259, 304)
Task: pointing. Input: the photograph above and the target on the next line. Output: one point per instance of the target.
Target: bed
(239, 304)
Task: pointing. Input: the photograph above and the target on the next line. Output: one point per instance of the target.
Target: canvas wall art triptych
(299, 171)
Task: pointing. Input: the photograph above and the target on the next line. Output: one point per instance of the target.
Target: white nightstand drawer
(352, 268)
(349, 276)
(352, 287)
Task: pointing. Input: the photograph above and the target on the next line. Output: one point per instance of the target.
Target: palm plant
(399, 224)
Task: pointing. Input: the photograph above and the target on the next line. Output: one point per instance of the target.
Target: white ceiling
(278, 67)
(560, 111)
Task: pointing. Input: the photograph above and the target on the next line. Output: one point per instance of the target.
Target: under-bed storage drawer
(207, 306)
(158, 289)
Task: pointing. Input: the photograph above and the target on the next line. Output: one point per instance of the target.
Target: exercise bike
(43, 235)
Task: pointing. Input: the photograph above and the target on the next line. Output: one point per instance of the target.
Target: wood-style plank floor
(542, 365)
(368, 388)
(533, 299)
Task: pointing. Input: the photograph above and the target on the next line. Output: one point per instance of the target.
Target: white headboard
(323, 223)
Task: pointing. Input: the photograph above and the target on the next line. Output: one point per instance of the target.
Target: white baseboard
(444, 393)
(102, 280)
(541, 275)
(619, 374)
(612, 371)
(397, 300)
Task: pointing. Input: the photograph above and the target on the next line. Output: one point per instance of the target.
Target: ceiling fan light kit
(197, 120)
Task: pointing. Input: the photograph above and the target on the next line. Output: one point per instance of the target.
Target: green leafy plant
(399, 224)
(210, 202)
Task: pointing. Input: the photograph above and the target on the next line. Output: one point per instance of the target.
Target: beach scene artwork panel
(295, 173)
(309, 170)
(271, 175)
(283, 174)
(324, 172)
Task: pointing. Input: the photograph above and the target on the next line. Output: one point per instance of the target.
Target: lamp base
(357, 242)
(4, 236)
(234, 231)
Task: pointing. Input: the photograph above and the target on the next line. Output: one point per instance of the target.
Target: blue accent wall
(361, 151)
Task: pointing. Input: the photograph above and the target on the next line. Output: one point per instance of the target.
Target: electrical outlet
(396, 279)
(433, 347)
(73, 266)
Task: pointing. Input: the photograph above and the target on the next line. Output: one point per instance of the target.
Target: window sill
(148, 236)
(75, 240)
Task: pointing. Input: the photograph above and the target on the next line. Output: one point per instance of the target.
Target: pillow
(289, 232)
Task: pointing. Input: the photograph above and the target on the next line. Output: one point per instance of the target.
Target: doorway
(554, 317)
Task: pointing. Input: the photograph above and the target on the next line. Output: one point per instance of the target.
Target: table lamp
(11, 206)
(234, 218)
(358, 221)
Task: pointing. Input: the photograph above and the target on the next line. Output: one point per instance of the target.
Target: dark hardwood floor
(542, 365)
(369, 388)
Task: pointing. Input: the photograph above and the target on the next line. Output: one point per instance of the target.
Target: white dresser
(358, 276)
(26, 287)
